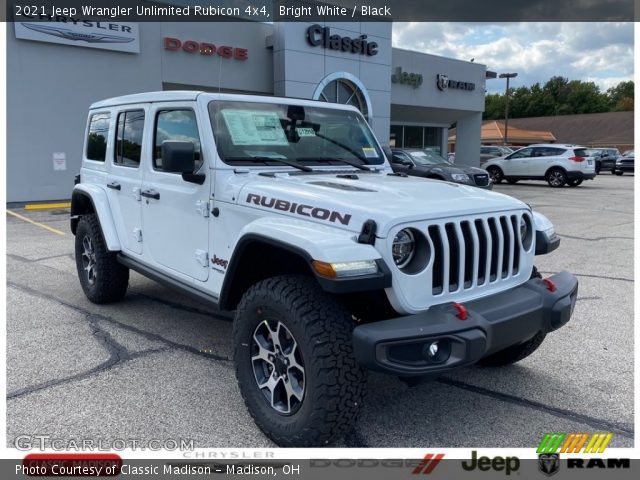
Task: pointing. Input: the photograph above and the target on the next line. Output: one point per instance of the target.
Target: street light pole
(506, 107)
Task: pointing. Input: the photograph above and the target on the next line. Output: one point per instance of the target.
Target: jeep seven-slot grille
(474, 252)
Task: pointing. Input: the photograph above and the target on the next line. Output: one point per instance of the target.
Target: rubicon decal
(574, 443)
(299, 209)
(428, 464)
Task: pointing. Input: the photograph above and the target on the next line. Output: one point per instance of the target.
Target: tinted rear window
(97, 137)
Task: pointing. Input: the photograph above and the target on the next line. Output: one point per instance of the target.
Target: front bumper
(400, 346)
(624, 168)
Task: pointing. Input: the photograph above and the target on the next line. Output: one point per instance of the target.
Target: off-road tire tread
(340, 386)
(112, 278)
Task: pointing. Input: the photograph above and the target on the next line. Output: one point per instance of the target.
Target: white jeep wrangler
(288, 212)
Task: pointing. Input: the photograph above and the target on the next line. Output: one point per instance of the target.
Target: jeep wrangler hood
(347, 203)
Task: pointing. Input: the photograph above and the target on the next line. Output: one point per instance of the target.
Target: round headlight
(526, 232)
(524, 229)
(403, 248)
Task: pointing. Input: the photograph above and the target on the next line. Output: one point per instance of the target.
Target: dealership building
(55, 70)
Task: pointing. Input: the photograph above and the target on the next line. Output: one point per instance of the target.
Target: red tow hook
(461, 311)
(551, 286)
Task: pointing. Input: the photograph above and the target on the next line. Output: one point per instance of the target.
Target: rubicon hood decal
(75, 36)
(299, 209)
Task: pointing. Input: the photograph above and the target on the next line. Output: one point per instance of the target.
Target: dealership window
(129, 138)
(97, 136)
(176, 125)
(346, 92)
(411, 136)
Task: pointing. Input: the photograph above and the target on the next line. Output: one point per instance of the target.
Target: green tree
(620, 97)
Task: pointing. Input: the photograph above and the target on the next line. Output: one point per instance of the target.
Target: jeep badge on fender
(287, 213)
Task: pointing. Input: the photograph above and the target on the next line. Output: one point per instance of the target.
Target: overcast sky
(598, 52)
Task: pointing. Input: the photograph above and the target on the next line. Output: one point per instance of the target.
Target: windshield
(268, 133)
(427, 157)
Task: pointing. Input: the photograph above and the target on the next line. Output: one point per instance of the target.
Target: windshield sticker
(369, 152)
(248, 127)
(305, 132)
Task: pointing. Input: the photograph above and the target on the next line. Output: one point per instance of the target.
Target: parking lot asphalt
(158, 366)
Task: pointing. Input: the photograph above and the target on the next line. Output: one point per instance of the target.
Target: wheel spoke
(263, 354)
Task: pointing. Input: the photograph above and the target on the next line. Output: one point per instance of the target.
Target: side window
(97, 136)
(552, 152)
(129, 138)
(524, 153)
(177, 125)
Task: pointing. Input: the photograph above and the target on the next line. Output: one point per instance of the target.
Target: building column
(468, 138)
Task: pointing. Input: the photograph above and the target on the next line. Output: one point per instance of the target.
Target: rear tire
(102, 277)
(495, 173)
(556, 178)
(514, 353)
(574, 183)
(511, 181)
(294, 362)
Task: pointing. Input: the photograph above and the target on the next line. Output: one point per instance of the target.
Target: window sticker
(248, 127)
(369, 152)
(305, 132)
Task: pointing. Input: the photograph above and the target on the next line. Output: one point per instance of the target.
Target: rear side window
(129, 138)
(176, 125)
(97, 136)
(580, 152)
(552, 152)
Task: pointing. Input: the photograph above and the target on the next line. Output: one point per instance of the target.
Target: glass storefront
(411, 136)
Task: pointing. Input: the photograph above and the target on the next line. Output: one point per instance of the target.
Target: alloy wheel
(278, 367)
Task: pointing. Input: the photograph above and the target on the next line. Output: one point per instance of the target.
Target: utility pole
(506, 107)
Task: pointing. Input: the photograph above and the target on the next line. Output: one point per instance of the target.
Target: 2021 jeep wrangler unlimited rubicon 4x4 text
(287, 212)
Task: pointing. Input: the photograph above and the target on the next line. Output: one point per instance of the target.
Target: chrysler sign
(104, 35)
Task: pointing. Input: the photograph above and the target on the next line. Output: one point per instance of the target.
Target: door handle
(113, 185)
(150, 194)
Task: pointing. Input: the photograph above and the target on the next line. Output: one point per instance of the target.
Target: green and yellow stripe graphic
(574, 442)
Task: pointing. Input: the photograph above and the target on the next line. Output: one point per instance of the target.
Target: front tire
(619, 173)
(514, 353)
(102, 277)
(495, 173)
(294, 362)
(556, 178)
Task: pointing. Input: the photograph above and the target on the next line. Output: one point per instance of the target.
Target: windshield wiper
(331, 159)
(284, 161)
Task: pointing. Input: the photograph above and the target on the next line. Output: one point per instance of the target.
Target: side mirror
(178, 157)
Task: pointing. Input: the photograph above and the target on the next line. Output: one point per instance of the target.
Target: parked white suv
(558, 164)
(287, 212)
